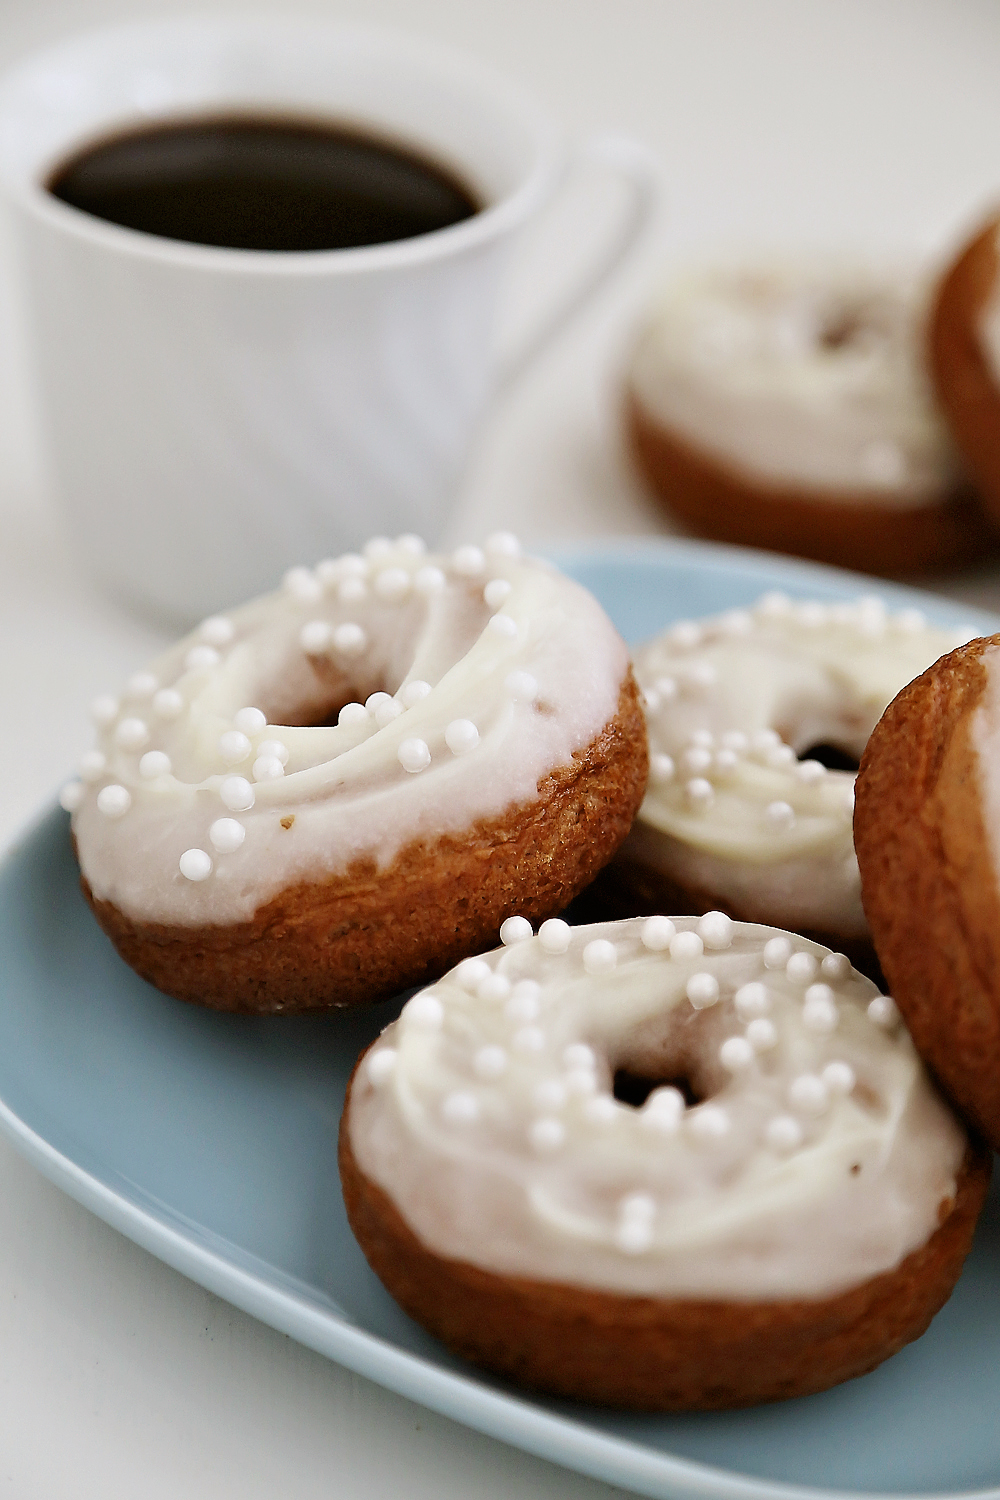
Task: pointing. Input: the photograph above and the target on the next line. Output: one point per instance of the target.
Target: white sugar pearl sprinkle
(835, 966)
(503, 624)
(801, 968)
(696, 760)
(315, 637)
(142, 685)
(414, 755)
(550, 1094)
(195, 865)
(92, 765)
(762, 1034)
(349, 638)
(600, 956)
(71, 796)
(810, 771)
(819, 994)
(838, 1077)
(494, 987)
(303, 585)
(547, 1134)
(881, 1010)
(809, 1094)
(114, 801)
(633, 1236)
(522, 686)
(528, 1039)
(777, 952)
(601, 1111)
(515, 930)
(234, 746)
(637, 1206)
(503, 544)
(275, 748)
(267, 768)
(226, 835)
(353, 713)
(708, 1122)
(132, 734)
(820, 1016)
(666, 689)
(201, 658)
(411, 544)
(468, 561)
(489, 1062)
(460, 1108)
(461, 736)
(429, 580)
(685, 634)
(104, 710)
(217, 630)
(381, 1065)
(496, 592)
(663, 1109)
(237, 794)
(657, 933)
(154, 763)
(716, 930)
(736, 1054)
(661, 768)
(424, 1011)
(168, 703)
(250, 720)
(392, 584)
(352, 591)
(686, 945)
(579, 1055)
(783, 1133)
(699, 792)
(780, 815)
(554, 935)
(752, 1000)
(471, 972)
(702, 990)
(524, 1003)
(414, 691)
(735, 739)
(377, 546)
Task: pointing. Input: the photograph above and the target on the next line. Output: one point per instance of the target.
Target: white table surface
(854, 123)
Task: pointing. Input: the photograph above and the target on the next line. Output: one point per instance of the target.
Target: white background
(860, 123)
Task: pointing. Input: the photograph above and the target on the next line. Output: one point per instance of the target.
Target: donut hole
(834, 757)
(634, 1088)
(675, 1051)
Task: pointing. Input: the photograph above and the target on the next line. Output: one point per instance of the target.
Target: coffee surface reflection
(252, 183)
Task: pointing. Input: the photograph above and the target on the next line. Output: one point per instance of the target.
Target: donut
(665, 1164)
(338, 790)
(927, 828)
(787, 406)
(757, 719)
(965, 358)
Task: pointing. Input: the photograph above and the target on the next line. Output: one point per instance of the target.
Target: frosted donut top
(461, 682)
(800, 375)
(732, 702)
(818, 1156)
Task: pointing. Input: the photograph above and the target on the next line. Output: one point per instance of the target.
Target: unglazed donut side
(928, 881)
(647, 1354)
(855, 532)
(320, 944)
(965, 385)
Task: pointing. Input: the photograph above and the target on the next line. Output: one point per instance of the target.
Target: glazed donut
(787, 407)
(665, 1164)
(927, 828)
(738, 812)
(342, 788)
(965, 358)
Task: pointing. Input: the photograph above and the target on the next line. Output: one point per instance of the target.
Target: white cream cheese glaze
(467, 679)
(731, 703)
(806, 375)
(818, 1157)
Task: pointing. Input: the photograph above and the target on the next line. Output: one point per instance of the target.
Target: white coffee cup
(215, 415)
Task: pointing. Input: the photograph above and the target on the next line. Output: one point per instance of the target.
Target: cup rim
(488, 224)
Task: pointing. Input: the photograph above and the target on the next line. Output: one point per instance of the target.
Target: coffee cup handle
(642, 173)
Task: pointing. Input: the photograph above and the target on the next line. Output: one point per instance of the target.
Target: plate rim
(462, 1396)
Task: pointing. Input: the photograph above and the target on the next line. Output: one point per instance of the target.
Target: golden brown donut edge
(648, 1354)
(928, 883)
(362, 936)
(856, 532)
(965, 385)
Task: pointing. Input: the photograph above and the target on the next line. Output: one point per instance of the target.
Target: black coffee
(263, 184)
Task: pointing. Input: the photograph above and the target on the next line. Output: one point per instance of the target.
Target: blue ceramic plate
(211, 1141)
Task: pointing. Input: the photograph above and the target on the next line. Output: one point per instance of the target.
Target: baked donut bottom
(629, 887)
(965, 385)
(369, 933)
(853, 532)
(651, 1355)
(929, 885)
